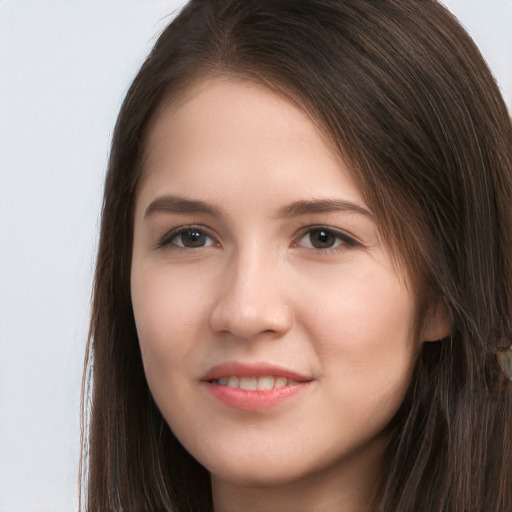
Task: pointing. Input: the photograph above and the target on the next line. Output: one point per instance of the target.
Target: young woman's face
(277, 339)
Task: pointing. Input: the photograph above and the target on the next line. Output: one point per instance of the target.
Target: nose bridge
(251, 299)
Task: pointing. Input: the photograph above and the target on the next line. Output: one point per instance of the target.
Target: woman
(304, 277)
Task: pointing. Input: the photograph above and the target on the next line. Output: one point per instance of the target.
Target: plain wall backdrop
(65, 66)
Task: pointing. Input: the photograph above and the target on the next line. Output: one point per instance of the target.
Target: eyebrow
(322, 206)
(178, 204)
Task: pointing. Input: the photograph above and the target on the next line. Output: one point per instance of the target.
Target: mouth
(265, 383)
(253, 387)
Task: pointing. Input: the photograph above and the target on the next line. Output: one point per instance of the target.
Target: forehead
(222, 129)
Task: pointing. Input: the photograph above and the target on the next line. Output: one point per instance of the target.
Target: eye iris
(193, 238)
(322, 239)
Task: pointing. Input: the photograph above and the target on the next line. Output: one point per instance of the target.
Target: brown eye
(191, 238)
(325, 238)
(322, 239)
(187, 238)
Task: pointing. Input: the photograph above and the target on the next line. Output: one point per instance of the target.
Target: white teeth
(233, 382)
(248, 383)
(280, 382)
(265, 383)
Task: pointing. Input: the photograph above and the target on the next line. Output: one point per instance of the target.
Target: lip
(253, 400)
(252, 370)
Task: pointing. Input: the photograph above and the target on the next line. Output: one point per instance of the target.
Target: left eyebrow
(322, 206)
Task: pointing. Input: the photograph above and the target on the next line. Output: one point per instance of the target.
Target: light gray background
(64, 68)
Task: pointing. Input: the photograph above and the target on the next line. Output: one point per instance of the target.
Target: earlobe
(437, 323)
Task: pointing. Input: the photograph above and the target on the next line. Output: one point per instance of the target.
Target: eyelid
(346, 238)
(166, 240)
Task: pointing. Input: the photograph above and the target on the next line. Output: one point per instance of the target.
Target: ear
(437, 323)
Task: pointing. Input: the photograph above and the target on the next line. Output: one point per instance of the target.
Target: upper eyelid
(170, 234)
(336, 231)
(167, 237)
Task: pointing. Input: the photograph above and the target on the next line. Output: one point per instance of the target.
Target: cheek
(363, 311)
(166, 314)
(364, 329)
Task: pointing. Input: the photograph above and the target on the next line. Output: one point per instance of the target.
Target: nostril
(246, 321)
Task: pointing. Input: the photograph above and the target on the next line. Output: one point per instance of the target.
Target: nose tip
(251, 304)
(244, 321)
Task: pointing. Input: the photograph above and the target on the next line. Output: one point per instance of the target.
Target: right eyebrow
(179, 204)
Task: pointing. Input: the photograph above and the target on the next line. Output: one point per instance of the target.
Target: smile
(253, 386)
(264, 383)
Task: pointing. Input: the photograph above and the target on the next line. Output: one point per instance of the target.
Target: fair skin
(272, 266)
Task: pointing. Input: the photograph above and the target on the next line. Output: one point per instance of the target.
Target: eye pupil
(322, 239)
(193, 238)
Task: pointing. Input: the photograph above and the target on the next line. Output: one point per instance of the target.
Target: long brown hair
(404, 95)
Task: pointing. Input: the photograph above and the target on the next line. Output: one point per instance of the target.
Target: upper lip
(240, 369)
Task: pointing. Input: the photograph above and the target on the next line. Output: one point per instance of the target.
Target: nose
(252, 300)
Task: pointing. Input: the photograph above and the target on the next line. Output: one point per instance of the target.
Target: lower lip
(248, 400)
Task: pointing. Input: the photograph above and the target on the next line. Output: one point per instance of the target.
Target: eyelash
(343, 240)
(168, 238)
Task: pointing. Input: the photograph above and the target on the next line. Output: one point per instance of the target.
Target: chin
(265, 467)
(257, 476)
(250, 469)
